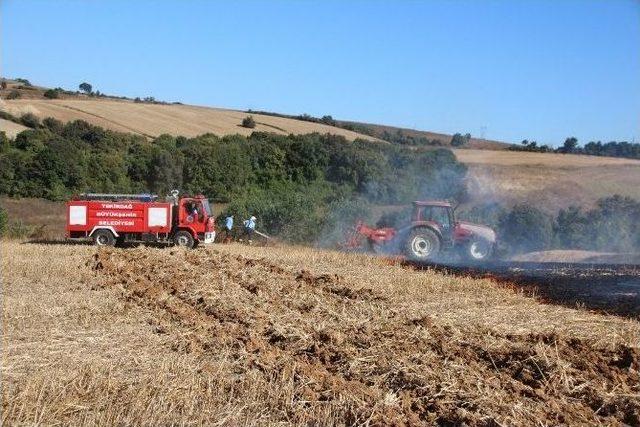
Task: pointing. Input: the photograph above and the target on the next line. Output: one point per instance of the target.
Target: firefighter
(249, 228)
(192, 211)
(228, 226)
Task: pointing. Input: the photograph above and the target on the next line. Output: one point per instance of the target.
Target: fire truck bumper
(209, 237)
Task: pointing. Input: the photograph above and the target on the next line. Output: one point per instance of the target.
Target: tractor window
(438, 214)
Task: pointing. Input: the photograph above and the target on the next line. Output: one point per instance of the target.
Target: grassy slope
(291, 335)
(549, 181)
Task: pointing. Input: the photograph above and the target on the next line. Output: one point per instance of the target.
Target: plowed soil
(296, 336)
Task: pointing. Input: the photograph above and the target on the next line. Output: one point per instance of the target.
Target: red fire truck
(108, 219)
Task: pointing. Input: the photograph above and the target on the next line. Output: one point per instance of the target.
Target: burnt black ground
(609, 288)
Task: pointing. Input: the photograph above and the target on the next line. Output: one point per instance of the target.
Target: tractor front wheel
(422, 244)
(478, 250)
(184, 239)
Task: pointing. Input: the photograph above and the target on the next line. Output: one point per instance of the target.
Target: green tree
(4, 219)
(248, 122)
(51, 94)
(85, 87)
(459, 140)
(328, 120)
(30, 120)
(525, 229)
(571, 229)
(570, 145)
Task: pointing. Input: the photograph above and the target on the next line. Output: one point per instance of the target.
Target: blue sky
(510, 70)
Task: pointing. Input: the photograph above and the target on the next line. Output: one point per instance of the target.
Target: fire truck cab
(108, 219)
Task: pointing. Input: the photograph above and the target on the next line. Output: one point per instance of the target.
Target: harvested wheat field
(242, 335)
(152, 120)
(11, 128)
(547, 180)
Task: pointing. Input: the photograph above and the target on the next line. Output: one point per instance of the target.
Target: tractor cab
(437, 214)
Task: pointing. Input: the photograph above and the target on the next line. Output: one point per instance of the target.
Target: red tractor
(433, 229)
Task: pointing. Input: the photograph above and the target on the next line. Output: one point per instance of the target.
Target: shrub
(54, 125)
(526, 229)
(51, 94)
(3, 220)
(14, 94)
(248, 122)
(328, 120)
(30, 120)
(3, 84)
(20, 230)
(459, 140)
(8, 116)
(24, 82)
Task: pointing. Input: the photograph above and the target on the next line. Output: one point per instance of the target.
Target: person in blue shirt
(249, 228)
(228, 226)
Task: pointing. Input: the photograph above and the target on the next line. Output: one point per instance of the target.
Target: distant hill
(153, 118)
(445, 139)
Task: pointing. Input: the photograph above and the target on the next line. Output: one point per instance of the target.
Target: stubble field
(152, 120)
(547, 180)
(242, 335)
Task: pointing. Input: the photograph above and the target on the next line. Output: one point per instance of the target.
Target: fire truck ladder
(118, 197)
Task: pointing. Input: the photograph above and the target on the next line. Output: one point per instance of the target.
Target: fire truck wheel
(103, 238)
(184, 239)
(422, 244)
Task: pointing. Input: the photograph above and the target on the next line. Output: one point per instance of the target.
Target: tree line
(301, 187)
(624, 149)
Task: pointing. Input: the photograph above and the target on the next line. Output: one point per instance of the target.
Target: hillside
(152, 120)
(548, 180)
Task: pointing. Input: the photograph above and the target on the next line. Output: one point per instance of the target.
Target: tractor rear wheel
(103, 238)
(422, 244)
(184, 239)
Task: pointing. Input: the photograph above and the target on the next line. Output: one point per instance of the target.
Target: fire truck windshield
(207, 208)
